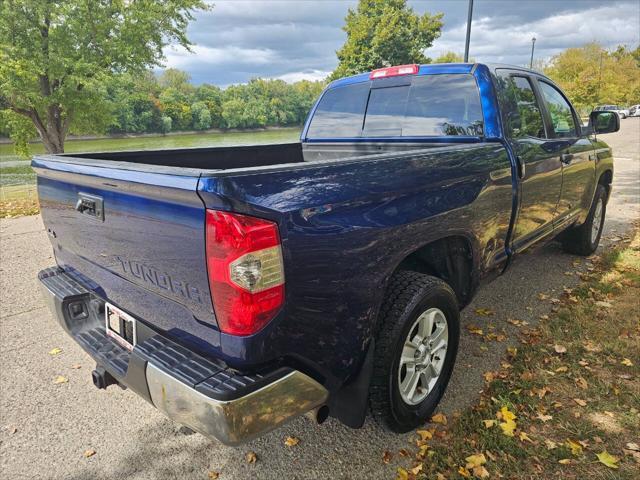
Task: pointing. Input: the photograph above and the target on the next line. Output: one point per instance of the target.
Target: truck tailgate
(136, 235)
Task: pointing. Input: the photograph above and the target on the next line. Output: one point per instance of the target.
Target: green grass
(597, 338)
(169, 141)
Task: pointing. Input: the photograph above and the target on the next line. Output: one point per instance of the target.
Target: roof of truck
(433, 68)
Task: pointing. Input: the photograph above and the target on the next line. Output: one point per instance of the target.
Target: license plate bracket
(120, 326)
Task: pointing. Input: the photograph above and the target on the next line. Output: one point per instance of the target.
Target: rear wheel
(416, 349)
(584, 239)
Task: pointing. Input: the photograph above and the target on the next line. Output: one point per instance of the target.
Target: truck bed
(214, 158)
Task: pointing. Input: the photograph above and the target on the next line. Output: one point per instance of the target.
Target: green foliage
(591, 76)
(450, 57)
(165, 124)
(382, 33)
(19, 129)
(201, 116)
(56, 58)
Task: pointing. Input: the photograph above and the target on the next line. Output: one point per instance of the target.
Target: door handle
(566, 158)
(521, 167)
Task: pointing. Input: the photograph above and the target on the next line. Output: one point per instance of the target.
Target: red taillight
(394, 71)
(245, 268)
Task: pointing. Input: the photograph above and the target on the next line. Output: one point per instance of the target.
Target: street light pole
(466, 45)
(533, 46)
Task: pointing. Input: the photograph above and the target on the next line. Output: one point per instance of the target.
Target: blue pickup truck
(235, 288)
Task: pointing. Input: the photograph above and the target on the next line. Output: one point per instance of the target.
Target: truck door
(576, 155)
(540, 168)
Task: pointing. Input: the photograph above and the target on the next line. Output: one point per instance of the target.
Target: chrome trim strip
(235, 421)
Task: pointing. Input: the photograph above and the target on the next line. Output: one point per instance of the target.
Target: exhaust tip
(319, 414)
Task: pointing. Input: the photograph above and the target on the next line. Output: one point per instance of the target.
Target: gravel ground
(46, 427)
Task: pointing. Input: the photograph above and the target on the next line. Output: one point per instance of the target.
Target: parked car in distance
(634, 111)
(235, 288)
(623, 112)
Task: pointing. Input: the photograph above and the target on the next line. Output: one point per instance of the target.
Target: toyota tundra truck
(236, 288)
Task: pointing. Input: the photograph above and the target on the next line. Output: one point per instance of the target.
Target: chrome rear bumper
(235, 421)
(204, 395)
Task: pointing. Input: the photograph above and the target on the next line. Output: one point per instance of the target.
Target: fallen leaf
(484, 312)
(89, 453)
(439, 418)
(506, 414)
(629, 446)
(512, 351)
(251, 457)
(543, 418)
(423, 450)
(576, 448)
(464, 472)
(543, 296)
(402, 474)
(550, 444)
(424, 435)
(489, 423)
(76, 367)
(580, 402)
(508, 428)
(291, 441)
(13, 430)
(565, 461)
(480, 472)
(475, 460)
(592, 347)
(386, 457)
(627, 363)
(561, 369)
(489, 377)
(213, 475)
(524, 437)
(60, 379)
(603, 304)
(582, 383)
(475, 330)
(607, 459)
(560, 348)
(55, 351)
(417, 469)
(404, 452)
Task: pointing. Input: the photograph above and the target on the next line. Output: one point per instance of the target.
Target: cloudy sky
(295, 39)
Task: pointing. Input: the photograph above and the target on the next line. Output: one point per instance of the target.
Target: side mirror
(604, 122)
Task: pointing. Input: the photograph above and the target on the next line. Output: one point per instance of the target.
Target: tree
(591, 75)
(201, 116)
(19, 129)
(450, 57)
(381, 33)
(55, 57)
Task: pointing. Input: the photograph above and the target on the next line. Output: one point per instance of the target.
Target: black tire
(578, 240)
(409, 295)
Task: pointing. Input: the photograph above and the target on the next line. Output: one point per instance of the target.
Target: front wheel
(584, 240)
(416, 349)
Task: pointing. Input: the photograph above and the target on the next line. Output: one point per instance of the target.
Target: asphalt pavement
(45, 427)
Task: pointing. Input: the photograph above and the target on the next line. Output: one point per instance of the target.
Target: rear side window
(561, 116)
(521, 113)
(340, 113)
(433, 105)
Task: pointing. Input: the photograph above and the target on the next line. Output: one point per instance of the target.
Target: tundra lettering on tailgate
(160, 279)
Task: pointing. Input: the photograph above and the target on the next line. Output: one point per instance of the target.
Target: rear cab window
(422, 106)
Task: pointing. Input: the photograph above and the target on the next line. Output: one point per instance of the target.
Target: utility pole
(466, 45)
(600, 75)
(533, 46)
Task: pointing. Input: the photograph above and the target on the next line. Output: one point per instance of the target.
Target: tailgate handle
(90, 205)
